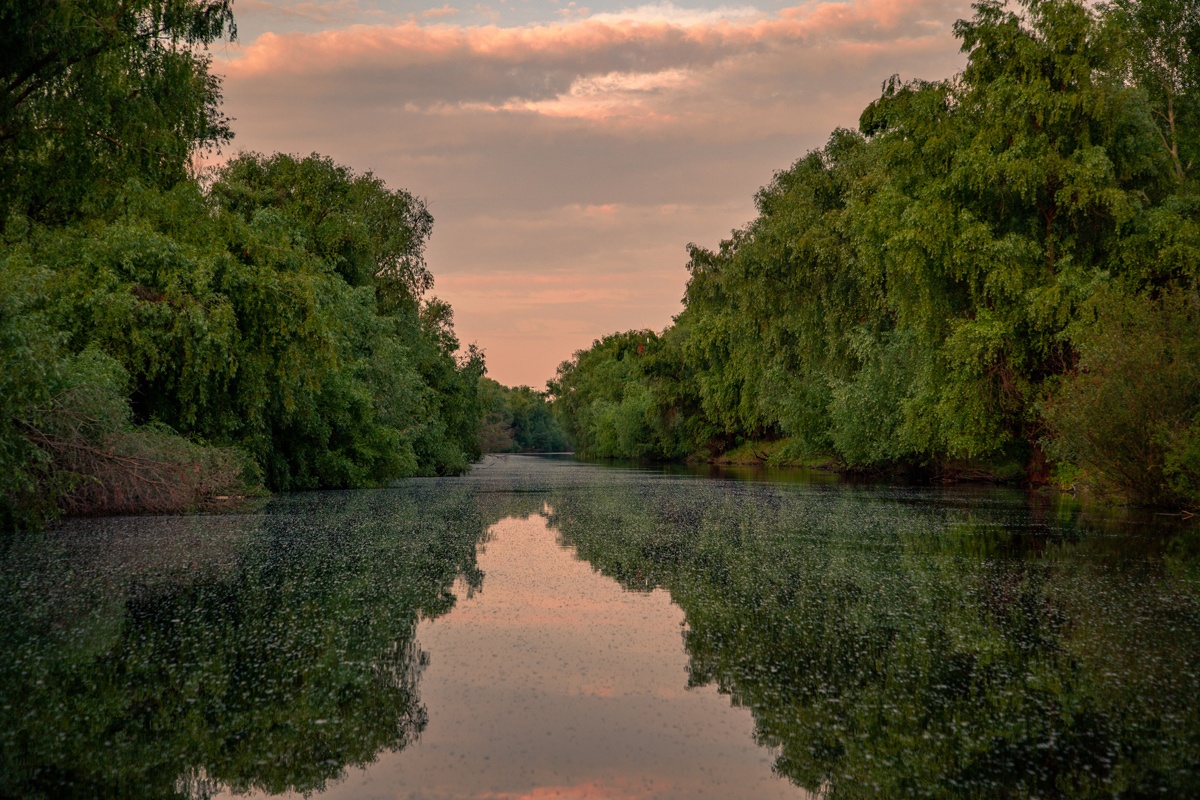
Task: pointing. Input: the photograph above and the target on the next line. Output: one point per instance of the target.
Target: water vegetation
(995, 275)
(889, 641)
(923, 641)
(171, 338)
(174, 658)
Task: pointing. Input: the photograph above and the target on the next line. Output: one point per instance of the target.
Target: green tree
(1129, 417)
(93, 92)
(907, 295)
(518, 420)
(605, 402)
(1163, 38)
(280, 309)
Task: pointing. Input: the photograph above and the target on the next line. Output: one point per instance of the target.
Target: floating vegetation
(888, 640)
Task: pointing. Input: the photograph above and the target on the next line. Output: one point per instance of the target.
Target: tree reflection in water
(907, 642)
(889, 642)
(167, 657)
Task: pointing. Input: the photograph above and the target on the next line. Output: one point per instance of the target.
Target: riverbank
(789, 453)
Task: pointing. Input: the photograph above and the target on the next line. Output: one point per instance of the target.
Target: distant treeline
(995, 275)
(518, 420)
(168, 338)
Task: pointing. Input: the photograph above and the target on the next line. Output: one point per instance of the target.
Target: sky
(569, 152)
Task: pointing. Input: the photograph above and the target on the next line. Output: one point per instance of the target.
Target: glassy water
(548, 628)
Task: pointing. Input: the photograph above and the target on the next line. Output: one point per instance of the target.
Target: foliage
(94, 461)
(68, 441)
(608, 399)
(278, 309)
(892, 645)
(518, 420)
(370, 235)
(401, 402)
(237, 327)
(1163, 37)
(266, 652)
(93, 92)
(908, 294)
(1130, 415)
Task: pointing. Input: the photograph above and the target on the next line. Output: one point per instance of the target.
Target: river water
(544, 627)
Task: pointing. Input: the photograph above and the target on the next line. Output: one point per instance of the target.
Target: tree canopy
(518, 420)
(99, 91)
(270, 323)
(919, 292)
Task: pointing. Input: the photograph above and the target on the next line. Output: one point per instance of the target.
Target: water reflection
(270, 654)
(553, 681)
(864, 641)
(907, 642)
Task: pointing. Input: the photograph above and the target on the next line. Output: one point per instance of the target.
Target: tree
(1129, 417)
(1163, 38)
(908, 295)
(279, 310)
(93, 92)
(518, 420)
(605, 403)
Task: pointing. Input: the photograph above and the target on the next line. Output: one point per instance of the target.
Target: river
(544, 627)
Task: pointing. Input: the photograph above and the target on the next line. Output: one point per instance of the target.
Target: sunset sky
(569, 152)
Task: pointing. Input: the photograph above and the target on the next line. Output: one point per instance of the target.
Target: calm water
(548, 628)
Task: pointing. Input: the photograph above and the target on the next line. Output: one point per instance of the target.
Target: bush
(92, 459)
(1129, 415)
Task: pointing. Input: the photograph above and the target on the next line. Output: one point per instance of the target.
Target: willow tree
(910, 294)
(93, 92)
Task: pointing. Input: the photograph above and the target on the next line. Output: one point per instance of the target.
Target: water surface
(549, 628)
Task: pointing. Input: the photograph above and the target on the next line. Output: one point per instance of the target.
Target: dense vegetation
(996, 273)
(518, 420)
(166, 342)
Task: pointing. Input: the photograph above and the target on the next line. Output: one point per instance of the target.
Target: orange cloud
(587, 790)
(582, 148)
(645, 51)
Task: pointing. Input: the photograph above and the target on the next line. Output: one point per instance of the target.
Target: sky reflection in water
(548, 628)
(554, 681)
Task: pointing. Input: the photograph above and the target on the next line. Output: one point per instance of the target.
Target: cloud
(675, 15)
(438, 13)
(551, 68)
(257, 16)
(548, 150)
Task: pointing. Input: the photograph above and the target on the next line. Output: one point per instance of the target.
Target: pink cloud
(638, 42)
(568, 163)
(588, 790)
(438, 13)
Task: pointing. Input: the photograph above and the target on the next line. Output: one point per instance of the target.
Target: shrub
(1129, 415)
